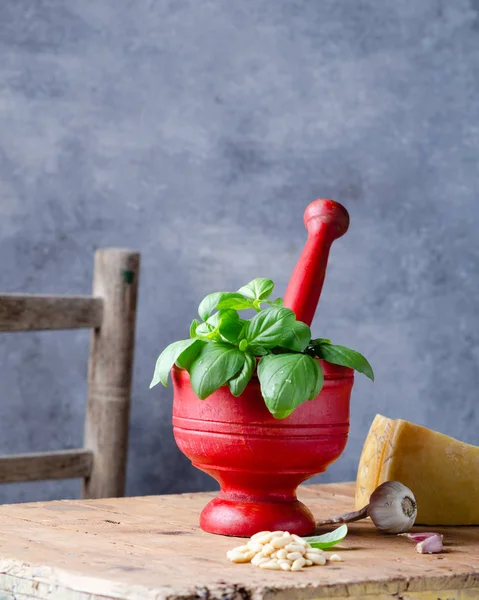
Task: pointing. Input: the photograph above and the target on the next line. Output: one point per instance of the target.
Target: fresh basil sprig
(223, 349)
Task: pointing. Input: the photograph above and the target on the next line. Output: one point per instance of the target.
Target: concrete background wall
(197, 132)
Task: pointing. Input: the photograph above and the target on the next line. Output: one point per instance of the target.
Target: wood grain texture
(110, 371)
(38, 466)
(30, 312)
(151, 549)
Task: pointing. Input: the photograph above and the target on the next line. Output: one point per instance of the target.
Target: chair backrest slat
(46, 465)
(30, 312)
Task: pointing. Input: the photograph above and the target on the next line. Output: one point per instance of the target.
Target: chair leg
(110, 371)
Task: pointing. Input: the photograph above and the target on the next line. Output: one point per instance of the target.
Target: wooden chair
(111, 313)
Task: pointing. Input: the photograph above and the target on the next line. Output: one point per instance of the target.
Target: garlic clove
(418, 537)
(430, 545)
(392, 507)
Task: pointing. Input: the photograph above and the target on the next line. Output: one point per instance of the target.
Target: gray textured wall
(197, 132)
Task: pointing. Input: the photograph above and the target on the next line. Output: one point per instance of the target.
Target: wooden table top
(151, 548)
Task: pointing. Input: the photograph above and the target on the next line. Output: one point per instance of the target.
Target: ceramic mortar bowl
(258, 460)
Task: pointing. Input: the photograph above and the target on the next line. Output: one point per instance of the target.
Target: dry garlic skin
(443, 473)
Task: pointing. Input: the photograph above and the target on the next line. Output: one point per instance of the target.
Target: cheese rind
(442, 473)
(371, 459)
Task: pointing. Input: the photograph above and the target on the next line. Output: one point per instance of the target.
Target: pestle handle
(325, 221)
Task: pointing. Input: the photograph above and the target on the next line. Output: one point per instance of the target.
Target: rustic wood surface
(63, 464)
(151, 549)
(33, 312)
(115, 280)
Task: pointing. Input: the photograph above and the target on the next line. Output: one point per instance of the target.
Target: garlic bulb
(392, 508)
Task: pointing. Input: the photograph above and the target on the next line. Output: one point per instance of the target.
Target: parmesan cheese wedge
(442, 473)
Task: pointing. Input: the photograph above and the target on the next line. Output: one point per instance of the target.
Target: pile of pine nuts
(279, 551)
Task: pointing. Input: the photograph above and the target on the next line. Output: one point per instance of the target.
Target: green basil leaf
(206, 331)
(167, 359)
(258, 350)
(216, 363)
(230, 331)
(239, 382)
(287, 380)
(269, 328)
(228, 325)
(219, 300)
(328, 539)
(318, 386)
(215, 319)
(320, 341)
(298, 338)
(208, 304)
(340, 355)
(186, 358)
(277, 302)
(234, 301)
(258, 289)
(193, 327)
(222, 326)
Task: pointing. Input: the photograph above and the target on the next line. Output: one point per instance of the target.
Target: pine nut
(285, 566)
(260, 534)
(298, 564)
(274, 555)
(239, 557)
(295, 548)
(265, 539)
(294, 556)
(282, 553)
(299, 540)
(314, 551)
(308, 563)
(285, 562)
(286, 533)
(254, 546)
(335, 558)
(276, 534)
(280, 542)
(273, 565)
(268, 549)
(258, 559)
(318, 559)
(241, 549)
